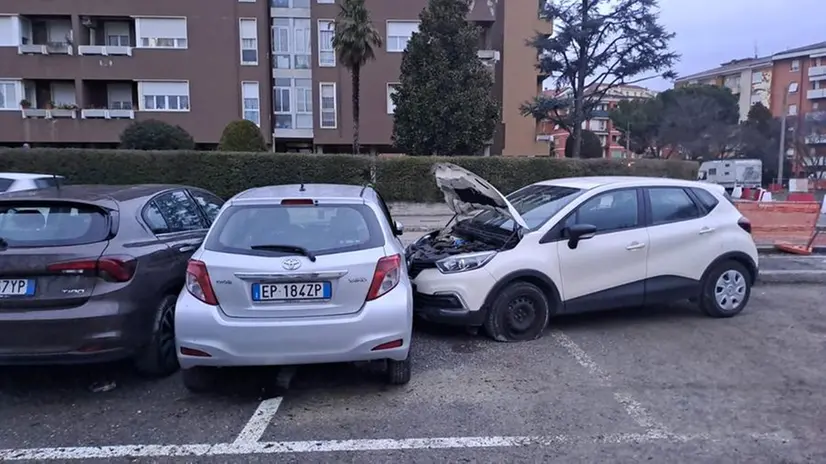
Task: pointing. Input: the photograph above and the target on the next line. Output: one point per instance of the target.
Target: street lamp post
(781, 151)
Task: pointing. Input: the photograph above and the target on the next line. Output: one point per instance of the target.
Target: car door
(609, 269)
(208, 203)
(683, 243)
(185, 227)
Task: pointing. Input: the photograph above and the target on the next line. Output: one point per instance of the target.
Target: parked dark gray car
(91, 273)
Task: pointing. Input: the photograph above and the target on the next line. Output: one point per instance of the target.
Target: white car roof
(24, 175)
(588, 183)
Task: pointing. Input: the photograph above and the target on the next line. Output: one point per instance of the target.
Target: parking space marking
(632, 407)
(259, 421)
(332, 446)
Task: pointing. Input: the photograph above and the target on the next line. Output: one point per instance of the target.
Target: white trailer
(730, 173)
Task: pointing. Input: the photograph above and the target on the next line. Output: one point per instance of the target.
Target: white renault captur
(578, 244)
(296, 274)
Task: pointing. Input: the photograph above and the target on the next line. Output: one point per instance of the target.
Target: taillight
(198, 283)
(387, 276)
(744, 224)
(298, 201)
(108, 268)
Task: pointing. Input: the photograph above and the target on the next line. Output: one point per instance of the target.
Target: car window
(535, 203)
(52, 224)
(671, 205)
(209, 203)
(47, 182)
(385, 210)
(708, 200)
(611, 211)
(5, 184)
(154, 219)
(321, 229)
(179, 211)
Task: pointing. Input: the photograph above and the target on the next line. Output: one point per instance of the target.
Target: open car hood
(466, 192)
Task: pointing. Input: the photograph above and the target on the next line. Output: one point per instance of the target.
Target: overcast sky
(710, 32)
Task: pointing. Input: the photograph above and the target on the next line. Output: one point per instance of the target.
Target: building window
(163, 96)
(281, 103)
(117, 34)
(251, 100)
(756, 78)
(326, 54)
(290, 3)
(399, 33)
(328, 114)
(281, 43)
(391, 89)
(302, 39)
(795, 65)
(793, 87)
(8, 96)
(303, 103)
(161, 32)
(249, 41)
(792, 110)
(326, 1)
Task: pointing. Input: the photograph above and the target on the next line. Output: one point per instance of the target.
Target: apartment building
(80, 71)
(554, 137)
(312, 92)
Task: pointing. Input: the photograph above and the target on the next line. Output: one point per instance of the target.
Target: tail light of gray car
(198, 283)
(108, 268)
(386, 277)
(744, 224)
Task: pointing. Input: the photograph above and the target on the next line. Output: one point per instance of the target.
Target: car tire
(398, 372)
(159, 358)
(519, 313)
(726, 290)
(199, 379)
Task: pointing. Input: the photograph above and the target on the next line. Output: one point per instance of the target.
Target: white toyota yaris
(579, 244)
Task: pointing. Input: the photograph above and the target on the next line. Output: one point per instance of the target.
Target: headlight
(465, 262)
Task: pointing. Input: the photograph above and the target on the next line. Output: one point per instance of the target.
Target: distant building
(599, 123)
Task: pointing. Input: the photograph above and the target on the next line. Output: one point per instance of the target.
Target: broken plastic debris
(103, 387)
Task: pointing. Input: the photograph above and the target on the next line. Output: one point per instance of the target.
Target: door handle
(186, 248)
(706, 230)
(635, 246)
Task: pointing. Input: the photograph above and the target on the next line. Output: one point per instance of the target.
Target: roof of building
(728, 68)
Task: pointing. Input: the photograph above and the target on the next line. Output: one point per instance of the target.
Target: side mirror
(578, 232)
(399, 227)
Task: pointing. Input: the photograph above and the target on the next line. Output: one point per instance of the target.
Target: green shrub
(242, 135)
(153, 134)
(404, 178)
(591, 146)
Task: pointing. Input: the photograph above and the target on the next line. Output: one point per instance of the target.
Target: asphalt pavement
(662, 384)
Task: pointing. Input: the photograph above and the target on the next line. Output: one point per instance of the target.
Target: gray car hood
(466, 192)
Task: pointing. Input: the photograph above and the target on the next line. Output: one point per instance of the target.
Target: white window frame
(303, 102)
(325, 51)
(251, 105)
(795, 65)
(14, 104)
(792, 110)
(248, 47)
(388, 36)
(793, 87)
(756, 77)
(289, 111)
(326, 2)
(166, 99)
(301, 38)
(175, 43)
(391, 107)
(322, 111)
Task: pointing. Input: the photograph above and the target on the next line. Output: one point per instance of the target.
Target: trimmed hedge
(400, 178)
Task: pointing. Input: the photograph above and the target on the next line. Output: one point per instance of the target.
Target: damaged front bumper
(445, 309)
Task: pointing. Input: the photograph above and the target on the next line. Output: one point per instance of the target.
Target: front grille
(423, 300)
(415, 267)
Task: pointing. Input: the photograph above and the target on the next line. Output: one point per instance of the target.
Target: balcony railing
(816, 139)
(599, 114)
(489, 56)
(816, 94)
(107, 114)
(52, 48)
(816, 116)
(816, 71)
(104, 50)
(55, 113)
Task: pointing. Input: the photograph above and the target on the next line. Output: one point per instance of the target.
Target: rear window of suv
(320, 229)
(5, 184)
(51, 224)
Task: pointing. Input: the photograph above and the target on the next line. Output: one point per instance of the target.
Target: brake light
(386, 277)
(198, 283)
(744, 224)
(298, 201)
(108, 268)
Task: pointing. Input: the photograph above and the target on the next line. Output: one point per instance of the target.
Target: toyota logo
(291, 264)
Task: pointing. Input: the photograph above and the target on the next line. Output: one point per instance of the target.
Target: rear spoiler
(112, 212)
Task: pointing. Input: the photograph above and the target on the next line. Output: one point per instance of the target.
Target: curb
(792, 277)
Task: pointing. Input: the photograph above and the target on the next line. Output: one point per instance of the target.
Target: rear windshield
(5, 184)
(535, 203)
(51, 224)
(322, 229)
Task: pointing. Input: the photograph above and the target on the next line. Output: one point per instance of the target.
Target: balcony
(45, 35)
(816, 116)
(106, 36)
(816, 139)
(49, 99)
(489, 57)
(816, 94)
(599, 114)
(818, 71)
(109, 99)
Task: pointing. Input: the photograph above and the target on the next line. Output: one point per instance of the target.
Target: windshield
(272, 230)
(51, 224)
(535, 203)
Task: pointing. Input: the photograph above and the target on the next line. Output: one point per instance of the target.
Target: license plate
(292, 291)
(16, 287)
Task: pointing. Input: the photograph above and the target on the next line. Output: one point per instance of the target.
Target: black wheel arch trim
(530, 276)
(738, 256)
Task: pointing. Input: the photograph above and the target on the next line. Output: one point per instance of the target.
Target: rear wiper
(296, 249)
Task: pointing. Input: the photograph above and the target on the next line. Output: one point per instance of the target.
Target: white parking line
(259, 421)
(331, 446)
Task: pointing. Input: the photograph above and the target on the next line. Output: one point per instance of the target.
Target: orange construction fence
(781, 221)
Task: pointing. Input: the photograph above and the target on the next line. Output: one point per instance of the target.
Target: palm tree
(355, 41)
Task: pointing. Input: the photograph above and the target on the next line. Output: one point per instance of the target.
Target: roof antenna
(56, 182)
(302, 189)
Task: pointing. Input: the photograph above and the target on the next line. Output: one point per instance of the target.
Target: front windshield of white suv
(535, 203)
